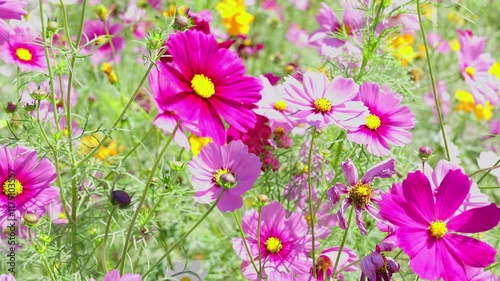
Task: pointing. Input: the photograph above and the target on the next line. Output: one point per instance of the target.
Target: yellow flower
(454, 44)
(427, 10)
(197, 143)
(235, 17)
(495, 69)
(402, 49)
(173, 10)
(109, 149)
(467, 104)
(455, 18)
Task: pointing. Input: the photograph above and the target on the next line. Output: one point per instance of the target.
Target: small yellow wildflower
(495, 69)
(454, 44)
(235, 17)
(197, 143)
(109, 149)
(467, 104)
(174, 10)
(402, 49)
(455, 18)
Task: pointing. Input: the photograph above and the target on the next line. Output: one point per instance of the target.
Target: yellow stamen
(12, 187)
(203, 86)
(322, 105)
(24, 54)
(360, 193)
(372, 122)
(438, 229)
(280, 105)
(470, 71)
(273, 245)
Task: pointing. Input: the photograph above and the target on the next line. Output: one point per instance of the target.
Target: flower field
(249, 140)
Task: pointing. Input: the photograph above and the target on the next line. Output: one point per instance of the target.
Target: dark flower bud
(424, 152)
(11, 107)
(120, 198)
(181, 22)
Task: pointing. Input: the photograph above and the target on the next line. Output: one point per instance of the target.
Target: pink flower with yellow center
(284, 243)
(230, 168)
(25, 181)
(320, 102)
(22, 50)
(387, 123)
(427, 228)
(9, 9)
(205, 83)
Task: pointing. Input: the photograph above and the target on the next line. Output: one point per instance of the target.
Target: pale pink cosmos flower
(388, 122)
(495, 127)
(300, 5)
(475, 66)
(489, 159)
(478, 274)
(23, 51)
(438, 43)
(56, 212)
(101, 50)
(321, 102)
(326, 261)
(360, 193)
(230, 168)
(7, 277)
(10, 9)
(298, 36)
(284, 242)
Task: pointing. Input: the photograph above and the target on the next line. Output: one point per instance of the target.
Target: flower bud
(102, 12)
(39, 94)
(11, 107)
(120, 198)
(52, 26)
(177, 166)
(30, 220)
(263, 198)
(227, 180)
(30, 107)
(424, 152)
(181, 22)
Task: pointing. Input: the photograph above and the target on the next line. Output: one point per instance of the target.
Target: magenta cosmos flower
(224, 168)
(9, 9)
(102, 50)
(209, 82)
(25, 182)
(475, 66)
(360, 193)
(426, 227)
(22, 50)
(114, 275)
(7, 277)
(388, 122)
(320, 102)
(376, 266)
(284, 243)
(326, 262)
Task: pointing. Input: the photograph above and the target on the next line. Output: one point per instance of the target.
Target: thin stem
(310, 197)
(183, 236)
(49, 270)
(433, 83)
(144, 195)
(246, 245)
(258, 240)
(343, 242)
(105, 240)
(487, 172)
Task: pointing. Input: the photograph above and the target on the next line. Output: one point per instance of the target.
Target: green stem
(488, 171)
(433, 83)
(105, 240)
(183, 236)
(144, 195)
(247, 247)
(343, 242)
(49, 270)
(310, 197)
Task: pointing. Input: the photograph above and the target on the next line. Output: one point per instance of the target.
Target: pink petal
(470, 251)
(475, 220)
(451, 193)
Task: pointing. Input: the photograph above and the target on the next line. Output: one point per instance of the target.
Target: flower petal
(451, 193)
(475, 220)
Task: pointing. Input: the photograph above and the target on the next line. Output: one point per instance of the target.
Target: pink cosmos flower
(22, 50)
(387, 123)
(207, 82)
(10, 9)
(102, 50)
(27, 181)
(475, 66)
(326, 262)
(319, 102)
(360, 193)
(56, 212)
(329, 24)
(114, 275)
(478, 274)
(274, 107)
(376, 266)
(495, 127)
(474, 199)
(284, 242)
(224, 168)
(182, 273)
(488, 159)
(438, 43)
(298, 36)
(301, 5)
(426, 228)
(7, 277)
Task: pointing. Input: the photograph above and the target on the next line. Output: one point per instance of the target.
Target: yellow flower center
(12, 187)
(24, 54)
(185, 278)
(62, 216)
(322, 105)
(280, 105)
(470, 71)
(323, 263)
(360, 193)
(273, 245)
(203, 86)
(438, 229)
(372, 122)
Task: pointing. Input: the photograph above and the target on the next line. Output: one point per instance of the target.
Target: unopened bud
(30, 220)
(181, 22)
(263, 198)
(424, 152)
(52, 26)
(11, 107)
(289, 69)
(120, 198)
(177, 166)
(102, 12)
(39, 94)
(227, 180)
(30, 107)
